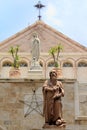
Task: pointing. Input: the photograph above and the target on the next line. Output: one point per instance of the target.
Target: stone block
(35, 74)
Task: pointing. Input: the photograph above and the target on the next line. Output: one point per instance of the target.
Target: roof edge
(40, 22)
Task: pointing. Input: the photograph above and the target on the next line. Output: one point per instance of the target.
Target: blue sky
(67, 16)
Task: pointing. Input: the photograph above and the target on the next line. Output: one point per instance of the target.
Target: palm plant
(55, 52)
(14, 52)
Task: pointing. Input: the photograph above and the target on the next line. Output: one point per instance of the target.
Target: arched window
(23, 64)
(82, 64)
(51, 64)
(7, 64)
(67, 64)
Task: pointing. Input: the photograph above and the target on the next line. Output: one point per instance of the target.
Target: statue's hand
(54, 96)
(57, 96)
(55, 88)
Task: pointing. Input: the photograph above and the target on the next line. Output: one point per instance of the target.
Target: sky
(66, 16)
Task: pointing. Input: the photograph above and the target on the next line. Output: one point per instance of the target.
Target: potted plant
(15, 71)
(55, 53)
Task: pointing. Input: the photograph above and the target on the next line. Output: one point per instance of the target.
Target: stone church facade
(72, 60)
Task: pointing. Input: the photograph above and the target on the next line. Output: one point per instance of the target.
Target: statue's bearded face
(53, 74)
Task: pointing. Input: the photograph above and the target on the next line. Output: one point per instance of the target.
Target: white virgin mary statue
(35, 48)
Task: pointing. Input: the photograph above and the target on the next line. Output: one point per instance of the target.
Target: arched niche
(68, 70)
(82, 70)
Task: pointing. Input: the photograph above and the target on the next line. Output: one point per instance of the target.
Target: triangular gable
(48, 37)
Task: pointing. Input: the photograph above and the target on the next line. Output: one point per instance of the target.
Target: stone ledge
(12, 80)
(33, 80)
(83, 118)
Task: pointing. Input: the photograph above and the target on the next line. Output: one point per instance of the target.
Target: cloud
(51, 11)
(51, 15)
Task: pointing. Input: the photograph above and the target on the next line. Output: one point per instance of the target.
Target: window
(82, 64)
(51, 64)
(23, 64)
(7, 64)
(67, 64)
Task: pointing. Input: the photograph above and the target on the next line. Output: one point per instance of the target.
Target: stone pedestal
(35, 71)
(35, 74)
(54, 127)
(35, 65)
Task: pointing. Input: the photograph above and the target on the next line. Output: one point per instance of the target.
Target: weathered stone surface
(14, 93)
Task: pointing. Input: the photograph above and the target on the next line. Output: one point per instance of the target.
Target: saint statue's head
(35, 35)
(53, 73)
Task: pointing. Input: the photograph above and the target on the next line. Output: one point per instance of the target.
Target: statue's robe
(52, 107)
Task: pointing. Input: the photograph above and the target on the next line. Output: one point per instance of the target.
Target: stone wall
(21, 103)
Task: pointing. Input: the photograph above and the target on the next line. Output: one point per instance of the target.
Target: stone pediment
(48, 37)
